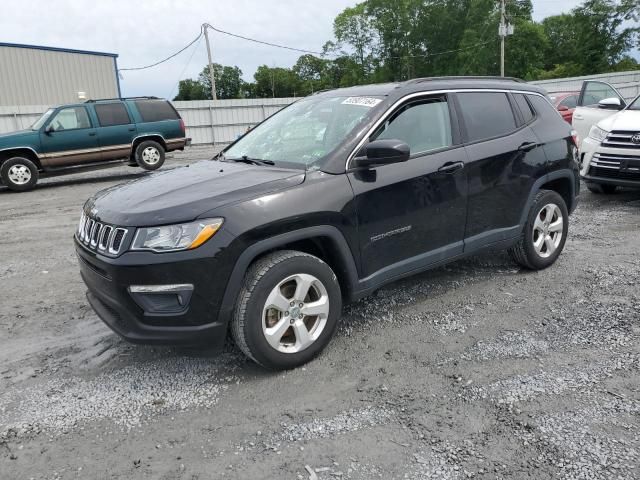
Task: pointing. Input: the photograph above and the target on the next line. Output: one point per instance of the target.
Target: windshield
(635, 105)
(41, 121)
(304, 133)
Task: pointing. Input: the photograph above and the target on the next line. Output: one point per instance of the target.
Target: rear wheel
(600, 188)
(150, 155)
(545, 232)
(287, 310)
(19, 174)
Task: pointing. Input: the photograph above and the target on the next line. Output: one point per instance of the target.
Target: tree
(276, 82)
(191, 90)
(229, 81)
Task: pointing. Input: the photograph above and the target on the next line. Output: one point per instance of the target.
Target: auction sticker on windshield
(363, 101)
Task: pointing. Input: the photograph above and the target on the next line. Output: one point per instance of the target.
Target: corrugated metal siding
(627, 83)
(45, 77)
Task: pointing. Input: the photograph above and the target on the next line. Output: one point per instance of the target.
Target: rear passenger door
(117, 130)
(504, 160)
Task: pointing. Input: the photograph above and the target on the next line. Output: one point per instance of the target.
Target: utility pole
(211, 75)
(503, 34)
(504, 31)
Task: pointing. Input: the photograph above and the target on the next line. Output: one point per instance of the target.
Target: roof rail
(463, 77)
(94, 100)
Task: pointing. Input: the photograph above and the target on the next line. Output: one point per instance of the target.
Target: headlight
(598, 134)
(170, 238)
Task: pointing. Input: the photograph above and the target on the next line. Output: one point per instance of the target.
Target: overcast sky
(145, 31)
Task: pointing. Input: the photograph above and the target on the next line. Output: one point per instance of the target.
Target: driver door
(413, 214)
(69, 138)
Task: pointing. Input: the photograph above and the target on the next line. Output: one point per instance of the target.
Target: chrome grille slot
(98, 236)
(105, 238)
(621, 139)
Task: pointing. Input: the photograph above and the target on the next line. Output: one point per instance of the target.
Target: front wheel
(19, 174)
(287, 310)
(545, 232)
(150, 155)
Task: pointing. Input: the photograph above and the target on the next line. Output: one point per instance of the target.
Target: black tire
(600, 189)
(19, 180)
(524, 252)
(150, 155)
(262, 278)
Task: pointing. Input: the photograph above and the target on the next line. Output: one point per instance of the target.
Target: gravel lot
(476, 370)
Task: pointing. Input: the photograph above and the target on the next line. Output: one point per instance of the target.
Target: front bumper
(609, 166)
(139, 319)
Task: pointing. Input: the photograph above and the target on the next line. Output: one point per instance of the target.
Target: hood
(626, 120)
(182, 194)
(13, 138)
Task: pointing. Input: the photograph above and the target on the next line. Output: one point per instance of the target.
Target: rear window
(524, 107)
(486, 115)
(156, 110)
(110, 114)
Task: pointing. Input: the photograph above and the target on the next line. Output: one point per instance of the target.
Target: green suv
(93, 134)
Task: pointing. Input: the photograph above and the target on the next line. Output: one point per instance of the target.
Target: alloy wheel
(151, 155)
(295, 313)
(548, 229)
(19, 174)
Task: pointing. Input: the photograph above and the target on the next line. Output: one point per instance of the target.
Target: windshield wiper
(252, 161)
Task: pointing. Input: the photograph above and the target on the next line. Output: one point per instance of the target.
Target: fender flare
(255, 250)
(555, 175)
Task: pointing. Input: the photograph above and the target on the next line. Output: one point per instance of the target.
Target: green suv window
(72, 118)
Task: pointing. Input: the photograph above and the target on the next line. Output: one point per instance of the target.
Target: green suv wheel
(19, 174)
(150, 155)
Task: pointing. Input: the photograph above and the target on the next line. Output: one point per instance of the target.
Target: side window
(596, 91)
(110, 114)
(423, 125)
(543, 106)
(486, 115)
(156, 110)
(524, 107)
(71, 118)
(569, 102)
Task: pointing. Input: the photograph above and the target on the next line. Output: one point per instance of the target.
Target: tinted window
(569, 102)
(156, 110)
(423, 126)
(486, 115)
(525, 108)
(110, 114)
(70, 118)
(596, 91)
(542, 105)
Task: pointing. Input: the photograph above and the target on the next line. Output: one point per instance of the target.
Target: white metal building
(35, 75)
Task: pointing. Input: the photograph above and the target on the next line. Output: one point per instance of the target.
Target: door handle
(528, 146)
(451, 167)
(132, 129)
(92, 134)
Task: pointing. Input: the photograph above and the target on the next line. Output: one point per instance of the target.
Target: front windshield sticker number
(362, 101)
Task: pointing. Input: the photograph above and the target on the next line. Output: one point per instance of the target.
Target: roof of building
(56, 49)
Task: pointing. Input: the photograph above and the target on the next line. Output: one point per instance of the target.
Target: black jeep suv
(324, 202)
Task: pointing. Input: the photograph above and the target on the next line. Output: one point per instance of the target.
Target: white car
(610, 152)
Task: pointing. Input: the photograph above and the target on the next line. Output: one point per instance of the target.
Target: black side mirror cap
(49, 129)
(382, 152)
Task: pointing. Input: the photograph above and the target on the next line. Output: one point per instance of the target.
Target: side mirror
(49, 129)
(563, 108)
(612, 103)
(382, 152)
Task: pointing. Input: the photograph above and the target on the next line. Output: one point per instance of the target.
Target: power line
(166, 59)
(185, 67)
(426, 55)
(262, 41)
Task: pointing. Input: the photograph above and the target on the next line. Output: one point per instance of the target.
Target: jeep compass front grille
(99, 236)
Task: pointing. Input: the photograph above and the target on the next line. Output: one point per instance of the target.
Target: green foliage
(380, 41)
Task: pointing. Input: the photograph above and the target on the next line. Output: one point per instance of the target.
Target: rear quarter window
(486, 115)
(524, 107)
(156, 110)
(542, 106)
